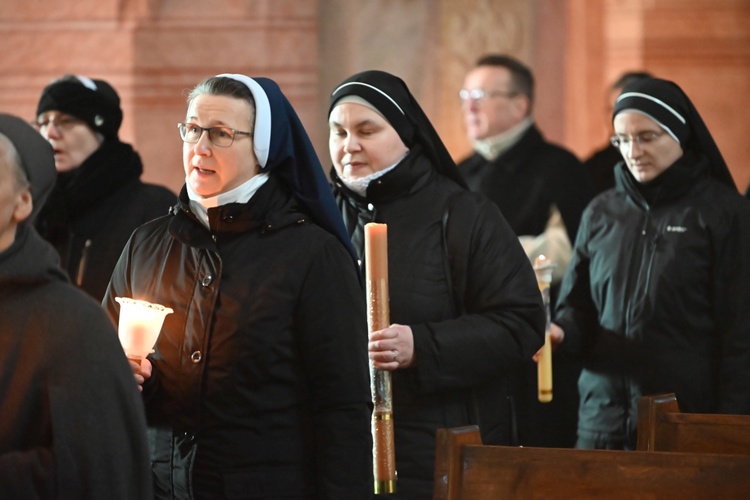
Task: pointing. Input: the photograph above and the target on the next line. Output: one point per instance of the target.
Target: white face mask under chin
(359, 184)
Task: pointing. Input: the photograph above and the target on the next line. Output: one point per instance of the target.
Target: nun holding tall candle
(465, 309)
(656, 295)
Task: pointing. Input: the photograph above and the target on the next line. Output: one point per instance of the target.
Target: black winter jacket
(528, 179)
(71, 419)
(656, 299)
(601, 167)
(93, 209)
(465, 348)
(261, 383)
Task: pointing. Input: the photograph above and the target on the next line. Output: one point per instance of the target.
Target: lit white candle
(139, 326)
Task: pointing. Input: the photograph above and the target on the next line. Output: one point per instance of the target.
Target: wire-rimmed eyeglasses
(478, 95)
(642, 138)
(222, 137)
(62, 123)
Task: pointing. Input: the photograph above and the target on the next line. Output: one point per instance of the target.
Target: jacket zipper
(82, 263)
(642, 282)
(635, 275)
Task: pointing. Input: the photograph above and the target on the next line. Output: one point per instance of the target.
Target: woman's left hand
(392, 348)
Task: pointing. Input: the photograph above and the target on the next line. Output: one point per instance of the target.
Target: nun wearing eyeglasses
(258, 386)
(656, 296)
(464, 302)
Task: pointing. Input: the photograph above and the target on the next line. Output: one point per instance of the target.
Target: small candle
(543, 270)
(544, 371)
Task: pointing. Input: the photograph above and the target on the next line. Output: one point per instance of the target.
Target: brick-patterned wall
(702, 45)
(153, 50)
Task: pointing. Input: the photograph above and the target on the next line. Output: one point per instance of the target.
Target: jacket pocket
(172, 458)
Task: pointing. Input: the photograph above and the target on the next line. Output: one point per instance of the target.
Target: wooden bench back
(467, 470)
(662, 427)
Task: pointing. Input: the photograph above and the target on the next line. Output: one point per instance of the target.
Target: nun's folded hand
(556, 337)
(392, 348)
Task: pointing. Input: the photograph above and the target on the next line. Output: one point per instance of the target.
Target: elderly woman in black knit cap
(464, 302)
(99, 198)
(656, 296)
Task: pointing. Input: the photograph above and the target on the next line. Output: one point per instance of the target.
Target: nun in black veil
(464, 302)
(656, 295)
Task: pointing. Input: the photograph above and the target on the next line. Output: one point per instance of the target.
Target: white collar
(199, 205)
(494, 146)
(359, 184)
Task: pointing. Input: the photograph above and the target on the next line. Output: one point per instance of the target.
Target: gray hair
(222, 86)
(9, 154)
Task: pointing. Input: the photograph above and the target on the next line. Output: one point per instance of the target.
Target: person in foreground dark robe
(72, 423)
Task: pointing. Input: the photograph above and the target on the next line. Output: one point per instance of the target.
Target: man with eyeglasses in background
(98, 199)
(542, 190)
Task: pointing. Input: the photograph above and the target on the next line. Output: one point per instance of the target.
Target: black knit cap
(93, 101)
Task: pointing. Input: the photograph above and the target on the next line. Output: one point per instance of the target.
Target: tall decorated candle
(378, 318)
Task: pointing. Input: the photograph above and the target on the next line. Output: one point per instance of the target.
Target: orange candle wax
(378, 318)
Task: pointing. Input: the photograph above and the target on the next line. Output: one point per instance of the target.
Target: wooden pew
(467, 470)
(662, 427)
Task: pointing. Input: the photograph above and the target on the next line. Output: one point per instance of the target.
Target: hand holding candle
(139, 326)
(543, 269)
(378, 318)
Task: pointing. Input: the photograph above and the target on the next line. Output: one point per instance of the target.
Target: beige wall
(428, 43)
(153, 50)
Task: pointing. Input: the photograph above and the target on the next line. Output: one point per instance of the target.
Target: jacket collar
(272, 208)
(29, 260)
(493, 147)
(515, 157)
(108, 168)
(408, 177)
(673, 183)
